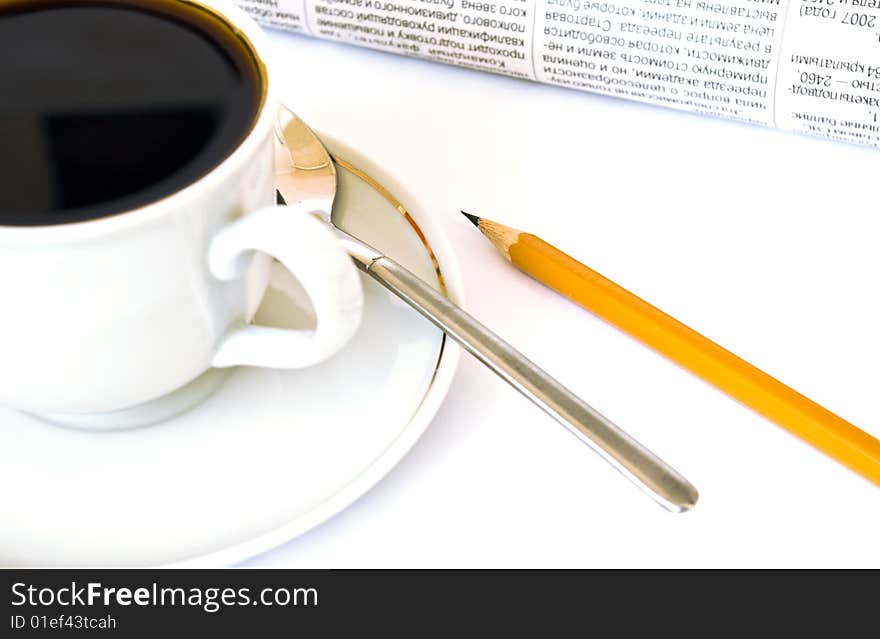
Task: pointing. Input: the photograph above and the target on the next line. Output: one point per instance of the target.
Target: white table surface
(764, 241)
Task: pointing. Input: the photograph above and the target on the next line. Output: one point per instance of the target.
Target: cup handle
(309, 250)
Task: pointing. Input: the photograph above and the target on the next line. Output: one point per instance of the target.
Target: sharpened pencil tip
(473, 218)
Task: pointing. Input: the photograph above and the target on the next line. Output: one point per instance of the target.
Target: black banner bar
(246, 603)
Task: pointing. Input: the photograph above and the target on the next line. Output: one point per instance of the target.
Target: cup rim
(244, 27)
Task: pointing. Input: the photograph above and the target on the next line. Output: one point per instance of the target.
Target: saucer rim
(438, 243)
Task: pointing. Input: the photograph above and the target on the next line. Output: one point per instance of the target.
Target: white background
(764, 241)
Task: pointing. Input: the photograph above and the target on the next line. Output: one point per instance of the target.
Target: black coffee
(109, 105)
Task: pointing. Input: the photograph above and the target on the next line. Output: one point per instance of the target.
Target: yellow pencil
(804, 418)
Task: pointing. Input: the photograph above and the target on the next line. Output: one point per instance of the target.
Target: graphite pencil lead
(473, 218)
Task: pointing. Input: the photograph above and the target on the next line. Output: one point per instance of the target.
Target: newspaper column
(805, 65)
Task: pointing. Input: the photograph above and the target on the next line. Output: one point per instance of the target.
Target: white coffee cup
(118, 321)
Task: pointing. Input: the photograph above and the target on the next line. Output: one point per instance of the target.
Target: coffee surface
(108, 106)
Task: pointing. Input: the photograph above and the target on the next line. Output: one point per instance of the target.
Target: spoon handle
(629, 457)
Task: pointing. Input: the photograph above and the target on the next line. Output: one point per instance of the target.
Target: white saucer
(271, 455)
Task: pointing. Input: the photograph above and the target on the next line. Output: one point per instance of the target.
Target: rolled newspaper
(811, 66)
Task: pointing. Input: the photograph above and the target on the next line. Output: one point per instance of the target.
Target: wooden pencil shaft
(801, 416)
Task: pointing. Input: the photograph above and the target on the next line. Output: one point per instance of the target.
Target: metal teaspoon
(312, 177)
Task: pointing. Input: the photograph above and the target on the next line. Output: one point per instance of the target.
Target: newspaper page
(804, 65)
